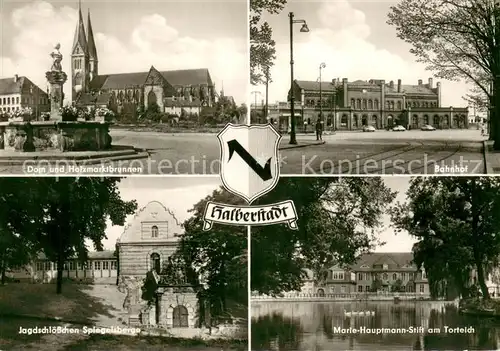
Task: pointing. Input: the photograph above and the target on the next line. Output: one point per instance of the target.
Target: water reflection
(323, 326)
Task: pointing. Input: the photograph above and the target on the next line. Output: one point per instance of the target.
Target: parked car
(369, 129)
(428, 127)
(398, 129)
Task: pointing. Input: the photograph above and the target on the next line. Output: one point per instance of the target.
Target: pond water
(412, 326)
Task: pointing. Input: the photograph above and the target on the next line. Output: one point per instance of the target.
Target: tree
(338, 219)
(376, 284)
(18, 206)
(262, 46)
(68, 212)
(397, 286)
(458, 40)
(216, 259)
(456, 221)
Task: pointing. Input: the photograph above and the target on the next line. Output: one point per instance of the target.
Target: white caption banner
(281, 212)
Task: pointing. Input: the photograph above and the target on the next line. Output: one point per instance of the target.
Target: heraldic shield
(249, 159)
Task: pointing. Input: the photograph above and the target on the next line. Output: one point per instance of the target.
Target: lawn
(129, 343)
(36, 305)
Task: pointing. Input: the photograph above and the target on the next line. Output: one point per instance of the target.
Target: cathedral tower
(93, 61)
(79, 60)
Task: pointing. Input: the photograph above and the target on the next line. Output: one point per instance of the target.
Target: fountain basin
(25, 136)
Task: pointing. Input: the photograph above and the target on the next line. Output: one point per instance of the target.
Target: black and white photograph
(120, 264)
(93, 87)
(378, 87)
(379, 263)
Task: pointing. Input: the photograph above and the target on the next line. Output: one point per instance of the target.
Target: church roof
(80, 38)
(90, 40)
(90, 99)
(23, 84)
(183, 77)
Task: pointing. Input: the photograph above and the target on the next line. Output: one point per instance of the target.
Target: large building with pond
(346, 105)
(175, 92)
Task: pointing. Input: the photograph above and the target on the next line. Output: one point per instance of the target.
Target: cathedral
(178, 92)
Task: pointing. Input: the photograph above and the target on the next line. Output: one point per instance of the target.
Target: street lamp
(321, 66)
(303, 29)
(255, 93)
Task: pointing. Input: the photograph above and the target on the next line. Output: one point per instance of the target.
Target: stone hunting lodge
(145, 246)
(352, 105)
(175, 92)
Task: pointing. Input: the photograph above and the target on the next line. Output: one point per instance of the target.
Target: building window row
(23, 100)
(418, 104)
(364, 104)
(404, 276)
(75, 265)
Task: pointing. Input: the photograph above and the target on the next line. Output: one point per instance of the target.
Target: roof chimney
(420, 82)
(391, 84)
(431, 84)
(399, 85)
(16, 78)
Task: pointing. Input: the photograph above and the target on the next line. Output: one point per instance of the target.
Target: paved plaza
(381, 152)
(387, 152)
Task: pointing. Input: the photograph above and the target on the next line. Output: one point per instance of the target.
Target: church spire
(80, 39)
(90, 40)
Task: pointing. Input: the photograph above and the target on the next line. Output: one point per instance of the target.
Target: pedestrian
(482, 129)
(319, 130)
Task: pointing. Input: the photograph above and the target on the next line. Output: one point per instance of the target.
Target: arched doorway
(375, 121)
(180, 317)
(155, 262)
(343, 121)
(321, 292)
(435, 121)
(426, 119)
(364, 120)
(390, 121)
(414, 121)
(152, 100)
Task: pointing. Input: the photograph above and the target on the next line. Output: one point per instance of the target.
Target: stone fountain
(55, 134)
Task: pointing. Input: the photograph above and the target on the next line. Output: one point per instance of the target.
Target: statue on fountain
(57, 58)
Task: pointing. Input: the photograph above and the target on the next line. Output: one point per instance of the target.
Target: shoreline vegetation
(480, 307)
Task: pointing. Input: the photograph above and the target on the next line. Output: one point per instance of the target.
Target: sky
(354, 41)
(131, 36)
(401, 242)
(178, 194)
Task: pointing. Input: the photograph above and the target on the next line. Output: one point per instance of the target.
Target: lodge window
(385, 276)
(71, 265)
(154, 231)
(360, 288)
(403, 276)
(353, 103)
(367, 276)
(358, 104)
(422, 288)
(79, 265)
(155, 262)
(113, 265)
(394, 276)
(367, 288)
(370, 104)
(360, 276)
(97, 265)
(364, 104)
(39, 266)
(48, 266)
(105, 265)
